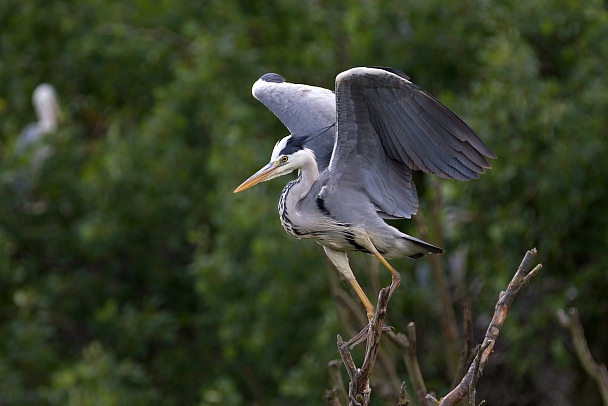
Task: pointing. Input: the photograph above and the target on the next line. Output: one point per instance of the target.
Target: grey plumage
(308, 112)
(355, 151)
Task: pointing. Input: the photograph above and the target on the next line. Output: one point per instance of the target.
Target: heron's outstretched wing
(308, 112)
(388, 126)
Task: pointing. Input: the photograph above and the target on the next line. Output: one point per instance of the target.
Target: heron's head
(46, 105)
(287, 156)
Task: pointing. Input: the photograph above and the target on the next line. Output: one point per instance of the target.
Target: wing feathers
(302, 109)
(415, 131)
(451, 122)
(432, 147)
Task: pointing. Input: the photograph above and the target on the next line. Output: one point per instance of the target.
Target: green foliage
(130, 273)
(98, 379)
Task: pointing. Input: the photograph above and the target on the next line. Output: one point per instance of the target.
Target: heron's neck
(308, 173)
(294, 193)
(47, 117)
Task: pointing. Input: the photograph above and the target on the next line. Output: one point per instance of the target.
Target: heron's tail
(430, 249)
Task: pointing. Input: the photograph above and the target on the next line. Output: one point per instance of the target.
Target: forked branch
(467, 384)
(359, 390)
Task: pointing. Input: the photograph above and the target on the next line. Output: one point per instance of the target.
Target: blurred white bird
(47, 110)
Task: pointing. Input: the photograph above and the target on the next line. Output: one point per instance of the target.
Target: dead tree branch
(338, 382)
(410, 359)
(331, 398)
(522, 276)
(466, 356)
(596, 371)
(403, 398)
(351, 316)
(359, 390)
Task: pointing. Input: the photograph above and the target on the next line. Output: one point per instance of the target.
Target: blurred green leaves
(99, 379)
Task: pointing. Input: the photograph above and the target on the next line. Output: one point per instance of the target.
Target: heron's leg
(340, 260)
(395, 276)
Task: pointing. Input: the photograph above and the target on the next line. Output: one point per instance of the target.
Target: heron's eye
(284, 159)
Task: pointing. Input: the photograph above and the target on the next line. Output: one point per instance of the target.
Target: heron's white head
(46, 105)
(287, 156)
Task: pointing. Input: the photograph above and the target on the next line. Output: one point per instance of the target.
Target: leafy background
(130, 273)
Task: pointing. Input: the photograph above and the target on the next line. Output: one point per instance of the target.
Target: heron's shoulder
(265, 84)
(372, 73)
(272, 78)
(273, 85)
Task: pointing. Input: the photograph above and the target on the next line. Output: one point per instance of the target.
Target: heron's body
(355, 151)
(342, 230)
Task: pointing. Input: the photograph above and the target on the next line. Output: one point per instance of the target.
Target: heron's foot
(395, 282)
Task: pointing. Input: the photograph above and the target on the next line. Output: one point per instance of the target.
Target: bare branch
(331, 398)
(430, 400)
(521, 277)
(410, 360)
(467, 349)
(403, 398)
(358, 389)
(351, 368)
(598, 372)
(338, 383)
(476, 374)
(376, 329)
(351, 316)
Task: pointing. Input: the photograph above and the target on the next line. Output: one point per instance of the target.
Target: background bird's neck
(47, 113)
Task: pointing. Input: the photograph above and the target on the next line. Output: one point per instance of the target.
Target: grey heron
(47, 110)
(355, 151)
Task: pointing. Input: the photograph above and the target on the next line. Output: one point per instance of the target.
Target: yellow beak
(266, 173)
